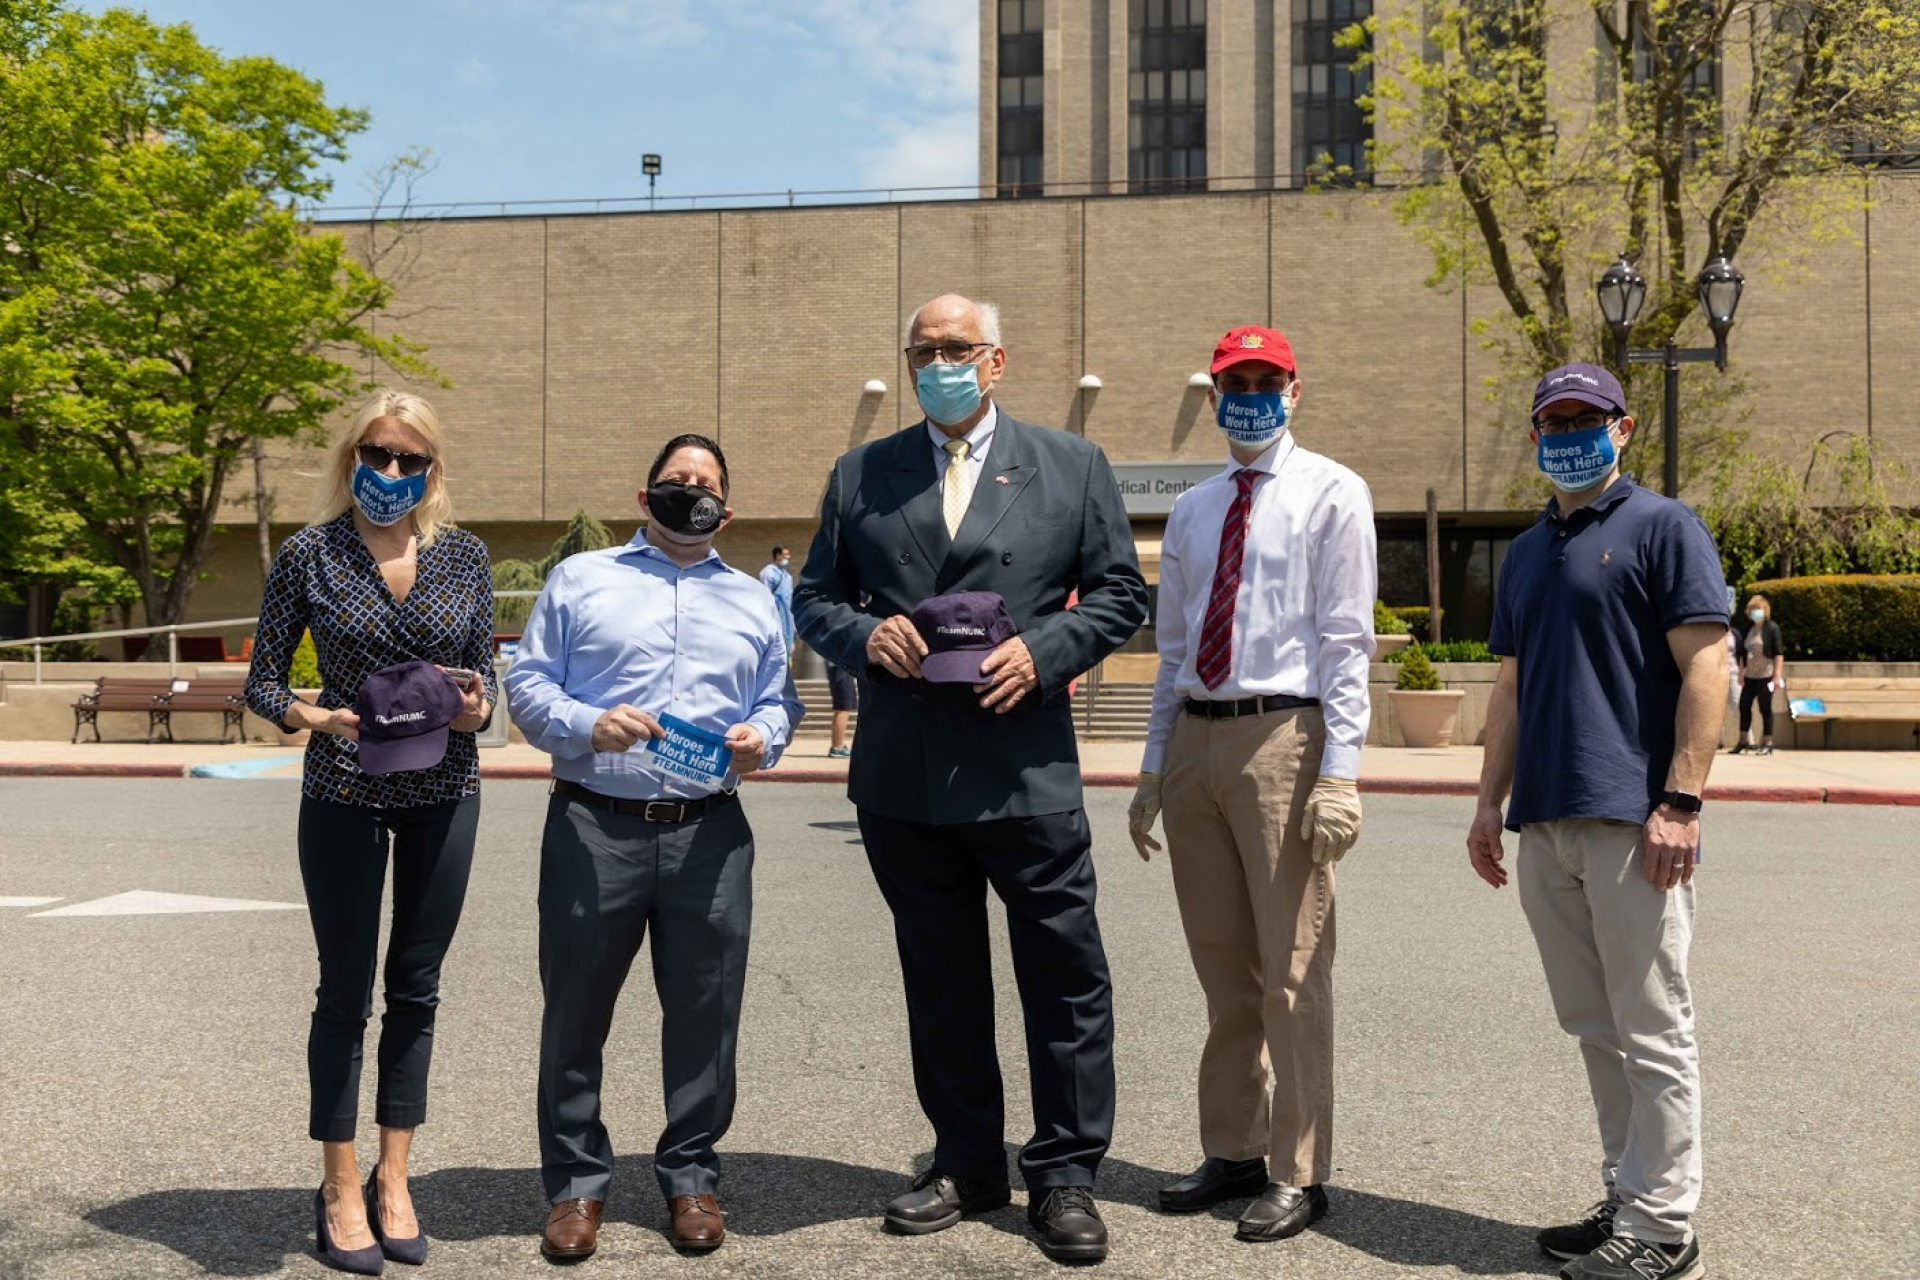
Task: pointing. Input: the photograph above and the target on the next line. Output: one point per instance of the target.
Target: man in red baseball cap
(1265, 629)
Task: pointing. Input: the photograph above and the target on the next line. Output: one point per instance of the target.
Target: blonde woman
(381, 578)
(1763, 669)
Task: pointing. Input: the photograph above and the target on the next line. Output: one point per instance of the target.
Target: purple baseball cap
(404, 712)
(1587, 383)
(961, 629)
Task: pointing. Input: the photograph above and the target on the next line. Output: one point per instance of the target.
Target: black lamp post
(1622, 290)
(650, 165)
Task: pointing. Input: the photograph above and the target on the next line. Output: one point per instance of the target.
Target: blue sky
(558, 99)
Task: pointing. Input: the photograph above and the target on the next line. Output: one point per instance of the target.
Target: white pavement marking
(145, 902)
(26, 902)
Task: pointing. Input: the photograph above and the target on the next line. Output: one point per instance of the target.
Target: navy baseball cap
(404, 712)
(1587, 383)
(961, 629)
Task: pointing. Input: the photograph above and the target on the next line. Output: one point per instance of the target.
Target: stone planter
(1384, 645)
(1427, 716)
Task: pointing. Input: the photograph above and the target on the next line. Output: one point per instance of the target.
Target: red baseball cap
(1251, 342)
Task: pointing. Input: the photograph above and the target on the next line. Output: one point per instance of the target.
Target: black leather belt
(1247, 706)
(648, 810)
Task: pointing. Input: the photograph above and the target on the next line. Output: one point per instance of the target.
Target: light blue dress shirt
(780, 584)
(626, 624)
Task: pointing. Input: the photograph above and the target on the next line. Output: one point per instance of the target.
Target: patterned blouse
(325, 580)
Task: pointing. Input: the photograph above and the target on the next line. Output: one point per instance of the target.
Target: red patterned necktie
(1216, 632)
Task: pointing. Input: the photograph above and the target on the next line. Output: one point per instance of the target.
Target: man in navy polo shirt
(1610, 623)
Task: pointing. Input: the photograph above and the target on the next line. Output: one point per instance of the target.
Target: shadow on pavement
(252, 1232)
(1409, 1233)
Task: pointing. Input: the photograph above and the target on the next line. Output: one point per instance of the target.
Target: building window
(1330, 131)
(1167, 95)
(1022, 146)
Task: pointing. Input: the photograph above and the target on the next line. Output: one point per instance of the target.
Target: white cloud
(931, 155)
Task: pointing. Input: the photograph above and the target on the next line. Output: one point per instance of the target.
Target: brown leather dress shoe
(698, 1224)
(573, 1230)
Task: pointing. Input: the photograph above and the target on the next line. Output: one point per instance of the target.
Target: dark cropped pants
(1752, 691)
(343, 861)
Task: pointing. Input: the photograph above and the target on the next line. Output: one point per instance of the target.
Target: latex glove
(1332, 818)
(1141, 813)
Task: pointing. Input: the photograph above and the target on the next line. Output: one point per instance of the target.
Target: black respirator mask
(685, 509)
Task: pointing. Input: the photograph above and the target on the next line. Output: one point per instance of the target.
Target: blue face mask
(948, 392)
(1579, 459)
(1251, 419)
(385, 501)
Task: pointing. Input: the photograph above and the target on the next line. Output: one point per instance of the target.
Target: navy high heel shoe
(360, 1262)
(413, 1249)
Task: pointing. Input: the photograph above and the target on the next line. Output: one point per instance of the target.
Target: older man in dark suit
(964, 786)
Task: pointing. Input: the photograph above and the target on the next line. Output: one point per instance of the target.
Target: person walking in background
(966, 527)
(1265, 630)
(1610, 622)
(393, 594)
(778, 580)
(656, 678)
(1763, 671)
(843, 690)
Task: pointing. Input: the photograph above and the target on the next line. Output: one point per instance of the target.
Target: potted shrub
(1426, 712)
(1390, 634)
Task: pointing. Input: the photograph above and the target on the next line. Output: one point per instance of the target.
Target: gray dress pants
(605, 879)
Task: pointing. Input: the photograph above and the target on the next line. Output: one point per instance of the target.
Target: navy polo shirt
(1584, 604)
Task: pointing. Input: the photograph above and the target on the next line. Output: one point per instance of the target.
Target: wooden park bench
(1831, 699)
(159, 697)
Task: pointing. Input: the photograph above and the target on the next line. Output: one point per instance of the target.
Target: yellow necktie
(958, 487)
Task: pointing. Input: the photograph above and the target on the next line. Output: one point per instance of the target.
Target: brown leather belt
(646, 810)
(1247, 706)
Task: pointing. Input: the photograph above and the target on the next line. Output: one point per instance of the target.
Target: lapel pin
(1000, 480)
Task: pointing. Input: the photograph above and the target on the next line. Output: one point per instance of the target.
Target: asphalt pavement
(152, 1070)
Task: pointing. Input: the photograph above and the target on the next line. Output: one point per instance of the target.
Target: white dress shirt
(979, 440)
(1303, 621)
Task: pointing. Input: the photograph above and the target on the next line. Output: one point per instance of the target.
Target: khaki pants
(1259, 921)
(1615, 953)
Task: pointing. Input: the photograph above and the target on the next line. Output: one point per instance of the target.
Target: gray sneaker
(1624, 1258)
(1578, 1239)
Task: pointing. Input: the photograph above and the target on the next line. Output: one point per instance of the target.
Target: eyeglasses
(380, 458)
(919, 357)
(1556, 426)
(1239, 384)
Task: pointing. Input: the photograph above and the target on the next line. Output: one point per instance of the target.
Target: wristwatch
(1681, 801)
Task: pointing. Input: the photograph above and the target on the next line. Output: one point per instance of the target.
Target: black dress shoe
(359, 1262)
(412, 1250)
(1215, 1180)
(1281, 1212)
(937, 1200)
(1069, 1225)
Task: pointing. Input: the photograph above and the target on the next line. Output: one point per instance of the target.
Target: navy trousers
(605, 879)
(935, 879)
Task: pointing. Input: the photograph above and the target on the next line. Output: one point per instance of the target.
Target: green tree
(1533, 164)
(162, 303)
(583, 533)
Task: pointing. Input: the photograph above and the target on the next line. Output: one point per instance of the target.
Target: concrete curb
(1781, 794)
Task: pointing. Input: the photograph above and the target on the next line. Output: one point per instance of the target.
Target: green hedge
(1846, 617)
(1386, 622)
(1415, 616)
(1448, 651)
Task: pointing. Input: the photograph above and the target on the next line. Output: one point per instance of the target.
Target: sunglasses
(380, 458)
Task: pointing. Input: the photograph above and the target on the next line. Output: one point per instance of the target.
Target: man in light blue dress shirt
(656, 676)
(778, 580)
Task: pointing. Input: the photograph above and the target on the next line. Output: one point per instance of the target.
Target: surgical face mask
(1758, 615)
(688, 510)
(948, 392)
(1578, 460)
(1253, 419)
(387, 501)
